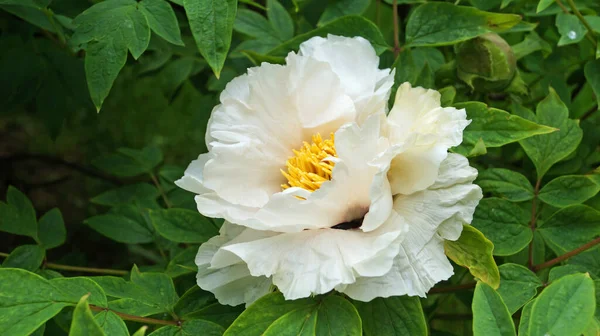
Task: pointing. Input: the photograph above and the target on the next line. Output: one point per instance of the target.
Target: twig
(78, 269)
(560, 4)
(396, 29)
(135, 318)
(590, 34)
(450, 289)
(533, 220)
(59, 161)
(86, 269)
(567, 255)
(160, 190)
(589, 113)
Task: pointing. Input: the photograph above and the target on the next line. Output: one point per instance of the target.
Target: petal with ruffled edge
(432, 215)
(417, 114)
(233, 284)
(316, 261)
(354, 60)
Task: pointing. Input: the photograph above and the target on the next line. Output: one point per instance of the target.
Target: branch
(450, 289)
(58, 161)
(567, 255)
(160, 190)
(78, 269)
(86, 269)
(536, 191)
(134, 318)
(396, 29)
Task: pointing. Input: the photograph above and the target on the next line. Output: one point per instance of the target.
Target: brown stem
(141, 319)
(567, 255)
(160, 189)
(78, 269)
(450, 289)
(536, 191)
(560, 4)
(396, 29)
(86, 269)
(589, 113)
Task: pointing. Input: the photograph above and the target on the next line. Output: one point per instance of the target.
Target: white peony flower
(320, 189)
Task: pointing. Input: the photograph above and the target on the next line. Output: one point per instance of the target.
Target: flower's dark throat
(353, 224)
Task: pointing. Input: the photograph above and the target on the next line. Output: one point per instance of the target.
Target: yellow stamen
(306, 169)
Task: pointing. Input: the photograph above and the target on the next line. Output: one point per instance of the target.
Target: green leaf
(111, 324)
(84, 323)
(532, 43)
(39, 4)
(439, 23)
(272, 315)
(490, 315)
(109, 28)
(525, 317)
(127, 194)
(473, 251)
(217, 313)
(51, 229)
(120, 228)
(142, 330)
(504, 223)
(280, 20)
(191, 328)
(570, 189)
(183, 263)
(543, 4)
(26, 294)
(74, 288)
(518, 285)
(253, 24)
(128, 162)
(28, 257)
(496, 127)
(505, 183)
(103, 62)
(393, 316)
(340, 8)
(162, 20)
(211, 22)
(547, 149)
(345, 26)
(183, 226)
(154, 290)
(17, 215)
(570, 28)
(570, 228)
(193, 300)
(564, 308)
(592, 75)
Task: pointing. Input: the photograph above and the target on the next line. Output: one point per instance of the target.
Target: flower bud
(487, 63)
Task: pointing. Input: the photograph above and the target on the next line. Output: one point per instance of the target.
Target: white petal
(417, 116)
(355, 62)
(432, 215)
(231, 285)
(359, 186)
(316, 261)
(193, 176)
(415, 270)
(318, 96)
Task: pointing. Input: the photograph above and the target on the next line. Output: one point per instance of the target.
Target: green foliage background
(103, 104)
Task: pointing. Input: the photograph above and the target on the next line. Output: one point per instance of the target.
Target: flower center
(306, 169)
